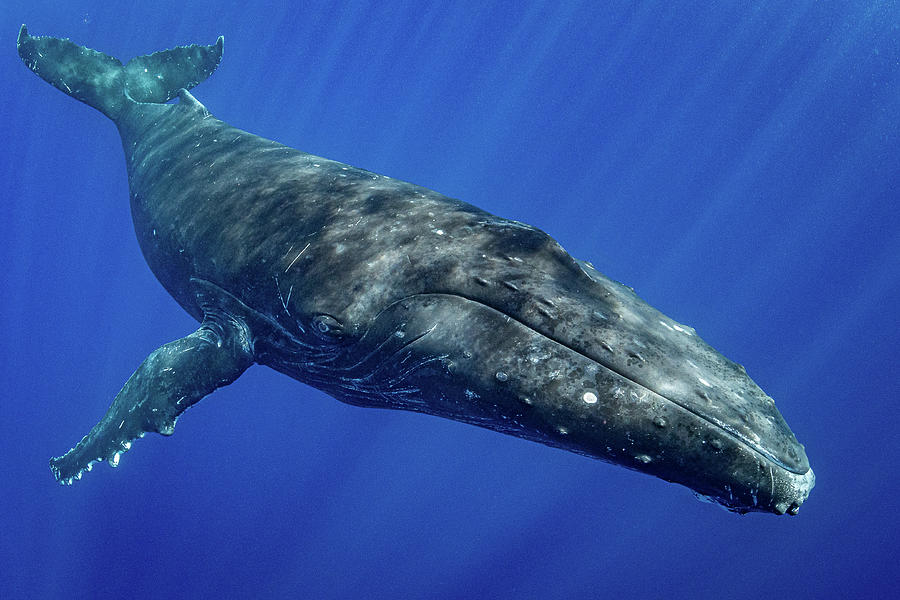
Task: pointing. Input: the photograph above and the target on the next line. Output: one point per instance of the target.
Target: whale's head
(503, 329)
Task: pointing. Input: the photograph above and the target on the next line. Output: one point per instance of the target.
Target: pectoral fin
(174, 377)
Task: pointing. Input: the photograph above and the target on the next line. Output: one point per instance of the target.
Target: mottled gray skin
(386, 294)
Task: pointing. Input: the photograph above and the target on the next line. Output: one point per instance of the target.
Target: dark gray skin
(386, 294)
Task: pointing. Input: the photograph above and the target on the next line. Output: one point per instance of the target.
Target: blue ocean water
(735, 162)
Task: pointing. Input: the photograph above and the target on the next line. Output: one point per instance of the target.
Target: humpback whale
(385, 294)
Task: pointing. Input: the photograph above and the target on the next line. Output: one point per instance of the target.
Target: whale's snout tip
(790, 492)
(801, 488)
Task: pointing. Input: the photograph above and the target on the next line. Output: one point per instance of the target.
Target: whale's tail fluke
(103, 82)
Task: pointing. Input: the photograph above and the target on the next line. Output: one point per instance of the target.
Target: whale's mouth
(793, 482)
(479, 362)
(733, 421)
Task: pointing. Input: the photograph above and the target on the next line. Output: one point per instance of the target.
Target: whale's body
(387, 294)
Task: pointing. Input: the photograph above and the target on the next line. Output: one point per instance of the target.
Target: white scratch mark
(772, 479)
(297, 257)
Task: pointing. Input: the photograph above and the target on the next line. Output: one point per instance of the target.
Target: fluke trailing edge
(385, 294)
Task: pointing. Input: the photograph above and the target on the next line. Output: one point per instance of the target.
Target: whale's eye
(327, 326)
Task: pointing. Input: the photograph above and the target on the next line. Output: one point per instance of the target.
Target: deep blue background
(737, 163)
